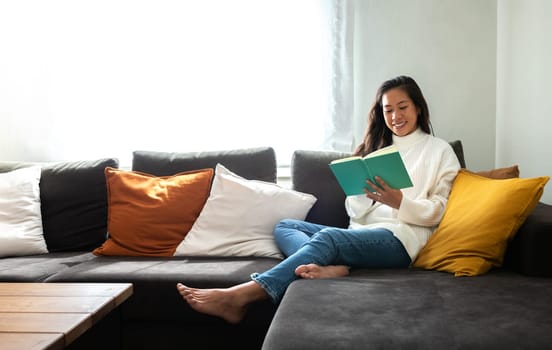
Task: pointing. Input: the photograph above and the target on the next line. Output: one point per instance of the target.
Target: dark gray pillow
(73, 199)
(459, 151)
(250, 163)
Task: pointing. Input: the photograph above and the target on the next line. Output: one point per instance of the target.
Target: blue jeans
(305, 243)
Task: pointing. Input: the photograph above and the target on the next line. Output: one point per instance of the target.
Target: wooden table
(52, 315)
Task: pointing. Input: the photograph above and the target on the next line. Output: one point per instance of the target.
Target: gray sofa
(395, 308)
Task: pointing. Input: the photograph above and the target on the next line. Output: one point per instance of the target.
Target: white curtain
(90, 79)
(338, 130)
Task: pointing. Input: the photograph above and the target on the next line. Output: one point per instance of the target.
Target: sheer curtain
(339, 129)
(88, 79)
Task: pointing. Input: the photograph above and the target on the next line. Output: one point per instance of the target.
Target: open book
(352, 172)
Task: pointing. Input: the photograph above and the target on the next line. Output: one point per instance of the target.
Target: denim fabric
(304, 243)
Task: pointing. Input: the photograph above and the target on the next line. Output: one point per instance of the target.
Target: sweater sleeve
(428, 211)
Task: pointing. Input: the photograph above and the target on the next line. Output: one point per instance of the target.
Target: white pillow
(20, 217)
(239, 216)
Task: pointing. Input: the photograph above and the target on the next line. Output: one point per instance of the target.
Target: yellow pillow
(150, 215)
(482, 214)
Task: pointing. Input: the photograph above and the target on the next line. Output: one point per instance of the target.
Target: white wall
(449, 48)
(524, 84)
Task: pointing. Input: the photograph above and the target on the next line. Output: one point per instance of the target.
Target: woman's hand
(384, 194)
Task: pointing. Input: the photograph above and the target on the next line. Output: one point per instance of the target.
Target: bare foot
(313, 271)
(229, 304)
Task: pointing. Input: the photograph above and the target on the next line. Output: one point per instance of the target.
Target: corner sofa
(509, 307)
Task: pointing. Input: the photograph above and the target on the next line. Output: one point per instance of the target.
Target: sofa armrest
(529, 252)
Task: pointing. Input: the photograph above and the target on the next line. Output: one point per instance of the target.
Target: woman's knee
(287, 223)
(283, 226)
(285, 229)
(327, 236)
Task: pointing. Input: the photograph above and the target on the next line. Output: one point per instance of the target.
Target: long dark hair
(377, 133)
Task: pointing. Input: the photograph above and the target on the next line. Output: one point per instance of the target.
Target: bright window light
(88, 79)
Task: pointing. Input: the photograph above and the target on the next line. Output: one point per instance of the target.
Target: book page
(382, 151)
(344, 159)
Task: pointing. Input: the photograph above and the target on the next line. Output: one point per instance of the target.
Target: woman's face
(400, 113)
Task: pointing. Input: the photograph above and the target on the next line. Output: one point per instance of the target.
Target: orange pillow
(501, 173)
(150, 215)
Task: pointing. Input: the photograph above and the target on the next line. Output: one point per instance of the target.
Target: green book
(352, 172)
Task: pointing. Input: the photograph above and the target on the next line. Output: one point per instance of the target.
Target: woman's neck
(410, 139)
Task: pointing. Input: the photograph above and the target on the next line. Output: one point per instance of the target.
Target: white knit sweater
(432, 165)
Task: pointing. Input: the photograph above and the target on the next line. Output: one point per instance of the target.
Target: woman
(388, 227)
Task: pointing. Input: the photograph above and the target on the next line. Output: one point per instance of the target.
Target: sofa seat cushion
(414, 309)
(155, 297)
(37, 268)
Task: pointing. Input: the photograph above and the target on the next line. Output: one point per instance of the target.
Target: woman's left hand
(384, 194)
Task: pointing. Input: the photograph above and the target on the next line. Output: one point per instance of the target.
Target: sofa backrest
(251, 163)
(310, 173)
(74, 194)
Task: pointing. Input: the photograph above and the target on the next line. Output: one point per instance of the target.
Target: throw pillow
(74, 204)
(501, 173)
(20, 217)
(482, 215)
(73, 200)
(239, 217)
(150, 215)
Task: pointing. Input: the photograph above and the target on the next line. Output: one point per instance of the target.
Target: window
(88, 79)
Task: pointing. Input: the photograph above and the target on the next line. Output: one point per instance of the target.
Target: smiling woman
(401, 115)
(104, 78)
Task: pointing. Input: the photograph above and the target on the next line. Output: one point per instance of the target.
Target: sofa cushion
(20, 218)
(37, 268)
(529, 251)
(251, 163)
(73, 199)
(459, 151)
(239, 217)
(155, 297)
(150, 215)
(414, 309)
(156, 314)
(501, 173)
(482, 215)
(310, 173)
